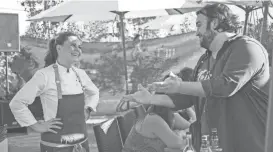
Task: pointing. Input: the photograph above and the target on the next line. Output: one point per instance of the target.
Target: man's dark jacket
(236, 93)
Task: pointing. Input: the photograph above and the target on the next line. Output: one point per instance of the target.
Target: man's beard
(207, 39)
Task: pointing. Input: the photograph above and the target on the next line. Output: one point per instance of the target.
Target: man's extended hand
(170, 85)
(142, 96)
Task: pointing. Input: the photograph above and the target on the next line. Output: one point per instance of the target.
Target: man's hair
(228, 21)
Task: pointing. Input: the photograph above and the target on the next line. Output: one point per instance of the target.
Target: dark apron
(73, 135)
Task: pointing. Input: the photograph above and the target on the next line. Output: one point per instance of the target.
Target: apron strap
(58, 81)
(78, 77)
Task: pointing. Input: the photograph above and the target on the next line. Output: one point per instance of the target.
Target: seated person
(189, 114)
(158, 125)
(159, 129)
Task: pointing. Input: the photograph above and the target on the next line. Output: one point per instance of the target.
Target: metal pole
(121, 17)
(269, 125)
(7, 74)
(264, 26)
(246, 21)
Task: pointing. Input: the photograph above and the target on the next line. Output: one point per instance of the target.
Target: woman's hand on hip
(47, 126)
(87, 113)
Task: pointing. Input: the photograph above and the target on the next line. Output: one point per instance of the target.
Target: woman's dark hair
(186, 74)
(228, 21)
(166, 113)
(52, 53)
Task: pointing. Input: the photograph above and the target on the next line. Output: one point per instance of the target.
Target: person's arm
(91, 93)
(25, 96)
(162, 130)
(174, 84)
(241, 65)
(180, 123)
(174, 101)
(191, 113)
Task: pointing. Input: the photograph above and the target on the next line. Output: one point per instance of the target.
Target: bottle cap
(214, 130)
(188, 135)
(205, 137)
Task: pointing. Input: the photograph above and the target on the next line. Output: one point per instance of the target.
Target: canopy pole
(246, 20)
(269, 125)
(264, 25)
(121, 17)
(7, 74)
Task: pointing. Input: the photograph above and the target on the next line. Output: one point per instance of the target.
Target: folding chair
(114, 139)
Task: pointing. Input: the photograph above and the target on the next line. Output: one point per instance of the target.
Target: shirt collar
(62, 68)
(219, 41)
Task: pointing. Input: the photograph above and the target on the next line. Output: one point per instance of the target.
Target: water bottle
(215, 147)
(189, 146)
(205, 144)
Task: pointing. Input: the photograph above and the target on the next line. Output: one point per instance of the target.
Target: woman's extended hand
(47, 126)
(142, 96)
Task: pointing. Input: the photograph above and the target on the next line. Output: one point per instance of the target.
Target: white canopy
(90, 10)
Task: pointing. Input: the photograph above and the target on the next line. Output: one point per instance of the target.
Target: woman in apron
(67, 96)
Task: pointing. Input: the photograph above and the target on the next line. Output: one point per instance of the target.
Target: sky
(13, 6)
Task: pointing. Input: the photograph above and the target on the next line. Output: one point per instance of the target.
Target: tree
(3, 73)
(21, 66)
(109, 72)
(254, 30)
(148, 67)
(43, 30)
